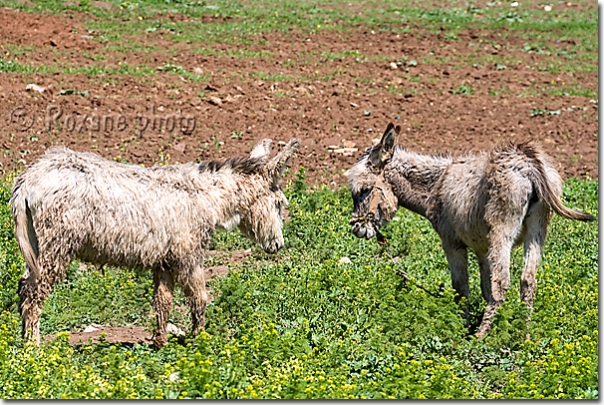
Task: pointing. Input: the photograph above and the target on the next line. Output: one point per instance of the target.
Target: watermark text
(56, 119)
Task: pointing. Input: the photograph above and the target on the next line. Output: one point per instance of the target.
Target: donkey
(70, 205)
(489, 202)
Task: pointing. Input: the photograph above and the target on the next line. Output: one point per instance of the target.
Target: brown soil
(295, 91)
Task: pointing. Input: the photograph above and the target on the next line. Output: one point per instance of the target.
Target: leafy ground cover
(305, 325)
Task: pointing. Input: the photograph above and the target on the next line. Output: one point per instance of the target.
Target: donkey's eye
(364, 192)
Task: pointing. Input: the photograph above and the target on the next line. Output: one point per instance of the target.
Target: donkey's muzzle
(363, 227)
(363, 230)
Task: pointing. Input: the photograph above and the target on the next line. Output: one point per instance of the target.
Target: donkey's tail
(24, 228)
(545, 188)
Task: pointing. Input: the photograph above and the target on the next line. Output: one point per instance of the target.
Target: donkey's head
(261, 221)
(374, 201)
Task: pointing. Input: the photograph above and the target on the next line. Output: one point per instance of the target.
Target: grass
(462, 89)
(575, 90)
(122, 68)
(280, 77)
(235, 21)
(562, 41)
(234, 53)
(304, 325)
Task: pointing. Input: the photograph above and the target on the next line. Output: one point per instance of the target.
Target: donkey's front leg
(457, 257)
(194, 288)
(162, 302)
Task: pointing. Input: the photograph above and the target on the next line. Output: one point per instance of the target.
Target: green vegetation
(304, 325)
(560, 41)
(462, 89)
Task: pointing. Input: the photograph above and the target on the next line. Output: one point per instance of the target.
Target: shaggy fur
(68, 204)
(488, 202)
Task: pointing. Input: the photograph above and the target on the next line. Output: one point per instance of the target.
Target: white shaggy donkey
(488, 202)
(69, 204)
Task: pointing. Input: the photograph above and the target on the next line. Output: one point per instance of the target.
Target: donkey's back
(107, 212)
(479, 192)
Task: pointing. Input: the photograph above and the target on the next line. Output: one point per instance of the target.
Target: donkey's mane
(401, 148)
(529, 148)
(240, 164)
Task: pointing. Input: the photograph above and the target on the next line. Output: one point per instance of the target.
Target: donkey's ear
(277, 165)
(262, 149)
(383, 150)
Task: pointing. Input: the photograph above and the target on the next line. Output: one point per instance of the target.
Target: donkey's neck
(413, 176)
(222, 194)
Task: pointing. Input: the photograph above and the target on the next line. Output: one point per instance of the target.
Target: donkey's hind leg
(485, 275)
(536, 224)
(163, 283)
(194, 288)
(501, 241)
(33, 291)
(30, 306)
(499, 263)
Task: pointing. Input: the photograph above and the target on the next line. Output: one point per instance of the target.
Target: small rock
(547, 8)
(345, 260)
(35, 87)
(198, 71)
(232, 99)
(90, 329)
(215, 100)
(354, 105)
(393, 65)
(175, 330)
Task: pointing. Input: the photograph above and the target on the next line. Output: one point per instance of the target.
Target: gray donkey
(68, 204)
(488, 202)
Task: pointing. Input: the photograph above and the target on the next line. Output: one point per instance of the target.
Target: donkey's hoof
(159, 341)
(483, 330)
